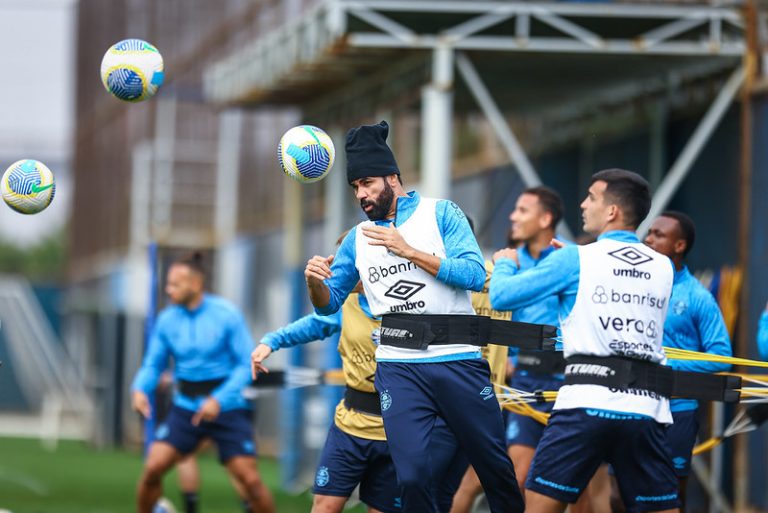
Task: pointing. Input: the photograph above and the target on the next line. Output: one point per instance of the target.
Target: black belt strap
(627, 373)
(420, 331)
(364, 402)
(275, 378)
(543, 363)
(197, 388)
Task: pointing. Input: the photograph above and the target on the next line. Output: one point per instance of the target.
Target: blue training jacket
(208, 343)
(541, 312)
(310, 328)
(762, 336)
(463, 266)
(694, 322)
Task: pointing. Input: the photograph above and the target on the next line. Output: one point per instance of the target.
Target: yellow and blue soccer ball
(28, 186)
(132, 70)
(306, 153)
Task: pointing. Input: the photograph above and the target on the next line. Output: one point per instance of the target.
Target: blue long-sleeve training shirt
(303, 331)
(545, 310)
(540, 312)
(310, 328)
(208, 343)
(762, 336)
(694, 322)
(463, 266)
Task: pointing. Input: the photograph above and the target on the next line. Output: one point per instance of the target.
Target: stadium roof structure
(560, 56)
(338, 41)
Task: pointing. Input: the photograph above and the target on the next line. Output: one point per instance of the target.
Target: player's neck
(539, 243)
(195, 302)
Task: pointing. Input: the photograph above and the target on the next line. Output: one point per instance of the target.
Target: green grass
(77, 479)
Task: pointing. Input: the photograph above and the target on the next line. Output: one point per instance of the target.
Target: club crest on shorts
(322, 477)
(386, 401)
(513, 429)
(162, 431)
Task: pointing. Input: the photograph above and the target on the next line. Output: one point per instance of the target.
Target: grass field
(77, 479)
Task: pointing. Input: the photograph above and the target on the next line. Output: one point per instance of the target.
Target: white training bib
(620, 307)
(396, 285)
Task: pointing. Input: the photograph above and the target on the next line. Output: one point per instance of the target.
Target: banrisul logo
(376, 273)
(634, 257)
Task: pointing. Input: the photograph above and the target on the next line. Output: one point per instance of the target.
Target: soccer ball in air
(28, 186)
(132, 70)
(306, 153)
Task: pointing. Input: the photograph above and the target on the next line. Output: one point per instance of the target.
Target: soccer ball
(28, 186)
(163, 505)
(132, 70)
(306, 153)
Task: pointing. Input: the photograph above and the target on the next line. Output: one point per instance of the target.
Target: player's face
(664, 236)
(594, 211)
(528, 218)
(375, 196)
(182, 284)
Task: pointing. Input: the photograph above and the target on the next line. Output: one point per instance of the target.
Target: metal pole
(437, 126)
(693, 148)
(336, 199)
(228, 175)
(292, 413)
(742, 454)
(501, 127)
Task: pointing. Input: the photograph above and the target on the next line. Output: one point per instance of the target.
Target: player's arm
(463, 266)
(302, 331)
(331, 279)
(762, 335)
(154, 363)
(511, 288)
(713, 335)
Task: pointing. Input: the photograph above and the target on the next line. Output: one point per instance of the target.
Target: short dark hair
(629, 191)
(549, 200)
(687, 228)
(194, 260)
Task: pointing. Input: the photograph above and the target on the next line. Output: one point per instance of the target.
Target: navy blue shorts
(232, 431)
(681, 437)
(348, 460)
(577, 441)
(522, 429)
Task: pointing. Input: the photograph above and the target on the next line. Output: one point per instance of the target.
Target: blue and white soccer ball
(163, 505)
(306, 153)
(28, 186)
(132, 70)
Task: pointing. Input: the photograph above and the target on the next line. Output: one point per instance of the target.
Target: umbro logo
(404, 289)
(630, 255)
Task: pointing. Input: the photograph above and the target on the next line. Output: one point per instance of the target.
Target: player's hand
(506, 253)
(557, 244)
(258, 355)
(140, 403)
(389, 237)
(207, 412)
(318, 269)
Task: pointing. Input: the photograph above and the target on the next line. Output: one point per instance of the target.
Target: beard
(381, 205)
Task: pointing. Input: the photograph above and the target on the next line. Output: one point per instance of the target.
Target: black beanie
(368, 153)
